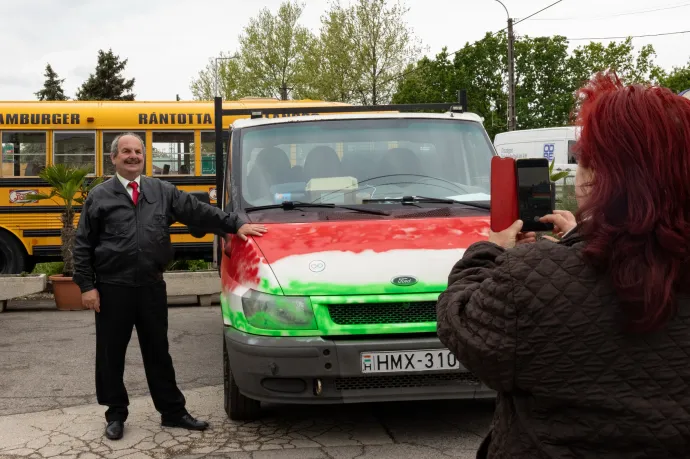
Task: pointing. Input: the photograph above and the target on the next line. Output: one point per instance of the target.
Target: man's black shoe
(186, 422)
(114, 430)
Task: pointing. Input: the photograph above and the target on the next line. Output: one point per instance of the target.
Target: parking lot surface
(48, 407)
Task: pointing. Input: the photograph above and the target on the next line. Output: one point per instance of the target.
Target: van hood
(363, 257)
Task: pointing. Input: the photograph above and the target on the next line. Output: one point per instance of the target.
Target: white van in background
(546, 143)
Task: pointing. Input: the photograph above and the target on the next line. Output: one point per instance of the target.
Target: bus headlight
(277, 312)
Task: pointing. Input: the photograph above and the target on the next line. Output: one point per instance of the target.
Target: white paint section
(368, 267)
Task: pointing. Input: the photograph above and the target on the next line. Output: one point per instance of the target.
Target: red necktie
(135, 192)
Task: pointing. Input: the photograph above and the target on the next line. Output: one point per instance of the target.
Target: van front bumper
(316, 370)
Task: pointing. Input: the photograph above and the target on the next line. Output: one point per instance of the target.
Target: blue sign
(549, 149)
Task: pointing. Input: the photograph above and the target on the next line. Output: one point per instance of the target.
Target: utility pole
(511, 77)
(512, 122)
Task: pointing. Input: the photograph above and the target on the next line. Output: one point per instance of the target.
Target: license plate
(399, 361)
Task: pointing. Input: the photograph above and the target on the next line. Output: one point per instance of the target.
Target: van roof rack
(457, 107)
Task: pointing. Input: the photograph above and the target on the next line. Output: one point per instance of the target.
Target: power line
(534, 14)
(404, 74)
(628, 13)
(632, 36)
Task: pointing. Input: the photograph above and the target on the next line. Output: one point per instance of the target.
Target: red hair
(636, 221)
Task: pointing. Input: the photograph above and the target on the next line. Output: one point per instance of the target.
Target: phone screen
(534, 194)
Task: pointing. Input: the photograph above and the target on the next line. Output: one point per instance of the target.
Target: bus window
(208, 152)
(77, 149)
(108, 137)
(23, 153)
(172, 153)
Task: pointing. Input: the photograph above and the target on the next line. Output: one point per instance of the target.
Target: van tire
(237, 406)
(13, 257)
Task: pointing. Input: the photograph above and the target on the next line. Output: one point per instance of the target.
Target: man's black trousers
(146, 308)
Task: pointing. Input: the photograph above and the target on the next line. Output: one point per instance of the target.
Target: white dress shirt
(125, 183)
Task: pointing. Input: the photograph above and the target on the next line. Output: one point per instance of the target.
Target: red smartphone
(504, 202)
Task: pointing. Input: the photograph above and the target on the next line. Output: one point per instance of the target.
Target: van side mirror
(205, 198)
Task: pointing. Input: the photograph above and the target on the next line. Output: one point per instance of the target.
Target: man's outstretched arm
(192, 212)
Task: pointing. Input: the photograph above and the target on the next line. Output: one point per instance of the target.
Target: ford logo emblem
(403, 281)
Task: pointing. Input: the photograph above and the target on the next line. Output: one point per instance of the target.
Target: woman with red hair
(587, 340)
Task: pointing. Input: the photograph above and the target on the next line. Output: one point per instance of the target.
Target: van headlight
(277, 312)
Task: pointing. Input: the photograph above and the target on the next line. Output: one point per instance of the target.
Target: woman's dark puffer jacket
(544, 330)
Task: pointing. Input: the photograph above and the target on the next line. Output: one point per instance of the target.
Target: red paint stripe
(284, 240)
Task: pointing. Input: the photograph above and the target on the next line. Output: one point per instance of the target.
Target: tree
(483, 70)
(480, 68)
(544, 91)
(329, 63)
(52, 88)
(547, 77)
(232, 83)
(385, 47)
(677, 80)
(273, 49)
(428, 81)
(107, 83)
(270, 60)
(587, 60)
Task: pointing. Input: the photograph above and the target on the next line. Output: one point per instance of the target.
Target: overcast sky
(167, 42)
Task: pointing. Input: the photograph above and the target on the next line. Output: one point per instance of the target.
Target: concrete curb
(18, 285)
(205, 285)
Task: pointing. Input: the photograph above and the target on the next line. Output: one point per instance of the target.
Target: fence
(565, 194)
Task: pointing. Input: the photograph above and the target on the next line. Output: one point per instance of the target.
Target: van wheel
(13, 258)
(237, 406)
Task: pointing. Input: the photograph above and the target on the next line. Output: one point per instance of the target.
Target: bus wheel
(237, 406)
(13, 259)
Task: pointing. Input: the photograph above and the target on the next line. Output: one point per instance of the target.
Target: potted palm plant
(68, 186)
(555, 178)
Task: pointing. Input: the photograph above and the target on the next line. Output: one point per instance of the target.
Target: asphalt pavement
(48, 405)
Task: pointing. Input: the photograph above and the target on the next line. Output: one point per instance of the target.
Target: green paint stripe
(326, 327)
(299, 288)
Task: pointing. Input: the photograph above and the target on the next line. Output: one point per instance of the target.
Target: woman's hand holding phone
(512, 236)
(562, 220)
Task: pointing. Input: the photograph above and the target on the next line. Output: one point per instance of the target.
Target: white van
(546, 143)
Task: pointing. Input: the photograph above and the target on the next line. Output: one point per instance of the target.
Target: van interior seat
(322, 162)
(272, 166)
(400, 161)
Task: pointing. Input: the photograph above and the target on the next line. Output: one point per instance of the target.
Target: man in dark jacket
(122, 249)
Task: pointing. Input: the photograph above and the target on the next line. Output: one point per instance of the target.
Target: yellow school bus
(180, 148)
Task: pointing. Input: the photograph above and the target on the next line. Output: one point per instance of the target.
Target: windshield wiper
(411, 200)
(296, 205)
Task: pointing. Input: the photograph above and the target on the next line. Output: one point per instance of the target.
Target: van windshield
(348, 161)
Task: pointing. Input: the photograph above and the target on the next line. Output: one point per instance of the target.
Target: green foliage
(188, 265)
(547, 77)
(677, 80)
(357, 56)
(68, 184)
(107, 83)
(52, 88)
(49, 269)
(272, 55)
(558, 175)
(273, 49)
(542, 83)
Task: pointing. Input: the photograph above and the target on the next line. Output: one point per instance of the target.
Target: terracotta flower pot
(67, 293)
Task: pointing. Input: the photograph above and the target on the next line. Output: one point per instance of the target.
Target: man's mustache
(132, 161)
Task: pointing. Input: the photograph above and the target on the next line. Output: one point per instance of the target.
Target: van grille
(403, 381)
(383, 313)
